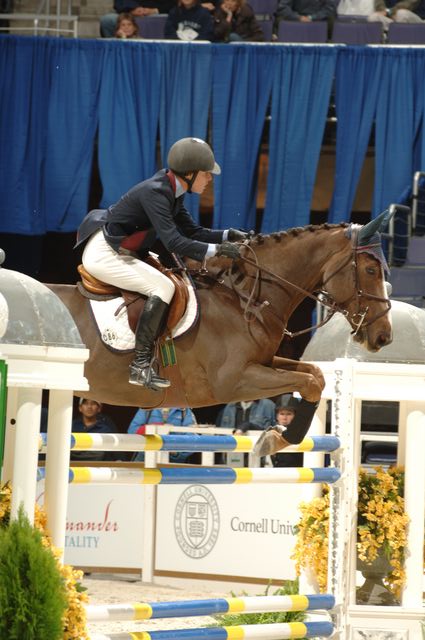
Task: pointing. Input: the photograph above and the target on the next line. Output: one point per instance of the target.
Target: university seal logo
(196, 521)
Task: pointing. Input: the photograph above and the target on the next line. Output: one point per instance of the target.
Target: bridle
(357, 319)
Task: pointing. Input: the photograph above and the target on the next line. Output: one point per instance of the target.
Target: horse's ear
(379, 223)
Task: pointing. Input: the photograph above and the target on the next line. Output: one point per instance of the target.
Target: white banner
(104, 525)
(234, 530)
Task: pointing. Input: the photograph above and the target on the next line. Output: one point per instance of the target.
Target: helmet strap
(188, 181)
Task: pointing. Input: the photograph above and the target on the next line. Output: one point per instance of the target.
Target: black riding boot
(148, 329)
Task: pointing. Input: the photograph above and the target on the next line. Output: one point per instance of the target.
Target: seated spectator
(235, 21)
(108, 22)
(373, 10)
(408, 11)
(305, 11)
(285, 413)
(92, 420)
(178, 417)
(255, 415)
(189, 21)
(126, 27)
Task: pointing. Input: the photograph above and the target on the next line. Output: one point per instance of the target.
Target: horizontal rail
(199, 475)
(247, 632)
(129, 442)
(207, 607)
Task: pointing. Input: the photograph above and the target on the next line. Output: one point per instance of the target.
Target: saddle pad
(114, 329)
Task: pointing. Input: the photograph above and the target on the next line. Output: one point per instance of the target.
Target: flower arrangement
(74, 621)
(382, 524)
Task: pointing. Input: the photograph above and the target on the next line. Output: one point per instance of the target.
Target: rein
(357, 319)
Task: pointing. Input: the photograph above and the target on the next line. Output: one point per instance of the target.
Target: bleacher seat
(294, 32)
(352, 18)
(407, 281)
(263, 8)
(152, 27)
(416, 252)
(267, 27)
(399, 33)
(360, 33)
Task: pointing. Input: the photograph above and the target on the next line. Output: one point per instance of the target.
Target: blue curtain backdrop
(185, 99)
(242, 84)
(128, 115)
(300, 99)
(55, 94)
(25, 70)
(357, 86)
(71, 129)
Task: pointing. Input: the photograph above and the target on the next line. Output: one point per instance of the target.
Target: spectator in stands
(92, 420)
(108, 22)
(285, 413)
(179, 417)
(235, 21)
(305, 11)
(410, 11)
(189, 21)
(247, 416)
(126, 27)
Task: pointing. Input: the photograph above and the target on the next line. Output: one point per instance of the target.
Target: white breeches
(123, 271)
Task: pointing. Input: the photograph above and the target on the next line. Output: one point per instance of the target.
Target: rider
(120, 237)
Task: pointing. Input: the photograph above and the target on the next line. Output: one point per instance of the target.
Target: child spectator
(126, 27)
(235, 21)
(140, 8)
(189, 21)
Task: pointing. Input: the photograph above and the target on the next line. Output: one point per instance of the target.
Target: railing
(40, 23)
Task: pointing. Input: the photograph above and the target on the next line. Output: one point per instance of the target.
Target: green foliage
(32, 591)
(289, 587)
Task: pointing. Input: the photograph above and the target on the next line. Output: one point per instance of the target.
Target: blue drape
(242, 84)
(24, 103)
(71, 130)
(357, 87)
(300, 99)
(128, 116)
(399, 116)
(185, 99)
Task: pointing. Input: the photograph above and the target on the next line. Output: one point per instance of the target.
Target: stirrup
(147, 377)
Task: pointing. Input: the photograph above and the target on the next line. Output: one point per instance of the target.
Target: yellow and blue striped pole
(278, 631)
(194, 442)
(207, 607)
(199, 475)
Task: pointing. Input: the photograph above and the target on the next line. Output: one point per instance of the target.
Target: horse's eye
(370, 271)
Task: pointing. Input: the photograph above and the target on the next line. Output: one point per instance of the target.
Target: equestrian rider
(120, 237)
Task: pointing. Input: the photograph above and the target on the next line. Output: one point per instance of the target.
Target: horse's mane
(278, 236)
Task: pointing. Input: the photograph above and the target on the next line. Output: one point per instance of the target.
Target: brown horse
(245, 306)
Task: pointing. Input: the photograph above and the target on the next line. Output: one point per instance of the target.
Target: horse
(245, 305)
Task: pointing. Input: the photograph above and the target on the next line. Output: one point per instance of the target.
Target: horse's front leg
(304, 367)
(258, 381)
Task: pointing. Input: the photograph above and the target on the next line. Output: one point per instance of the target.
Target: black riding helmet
(191, 155)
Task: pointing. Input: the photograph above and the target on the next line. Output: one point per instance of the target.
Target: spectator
(305, 11)
(235, 21)
(189, 21)
(409, 11)
(255, 415)
(374, 10)
(92, 420)
(126, 27)
(108, 22)
(285, 413)
(179, 417)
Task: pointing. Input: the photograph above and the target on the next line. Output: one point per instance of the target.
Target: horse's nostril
(384, 339)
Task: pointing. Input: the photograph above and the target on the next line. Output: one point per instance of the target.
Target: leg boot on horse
(276, 439)
(148, 329)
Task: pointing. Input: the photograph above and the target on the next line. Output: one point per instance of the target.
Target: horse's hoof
(271, 441)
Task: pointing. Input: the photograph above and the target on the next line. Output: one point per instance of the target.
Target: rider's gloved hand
(228, 250)
(236, 235)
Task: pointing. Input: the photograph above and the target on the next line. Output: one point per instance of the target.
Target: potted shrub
(381, 528)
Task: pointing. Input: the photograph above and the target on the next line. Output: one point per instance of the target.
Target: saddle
(91, 287)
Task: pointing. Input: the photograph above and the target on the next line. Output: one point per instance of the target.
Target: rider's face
(202, 181)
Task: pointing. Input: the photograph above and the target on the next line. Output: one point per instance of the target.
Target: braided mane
(278, 236)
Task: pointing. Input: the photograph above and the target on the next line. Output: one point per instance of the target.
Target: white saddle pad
(115, 331)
